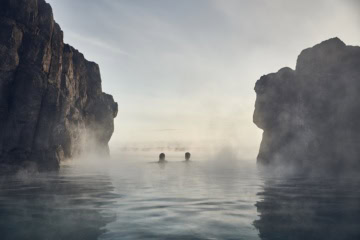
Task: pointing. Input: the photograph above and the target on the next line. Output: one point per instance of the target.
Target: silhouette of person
(162, 158)
(187, 156)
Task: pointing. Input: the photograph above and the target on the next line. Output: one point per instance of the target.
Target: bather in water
(162, 158)
(187, 156)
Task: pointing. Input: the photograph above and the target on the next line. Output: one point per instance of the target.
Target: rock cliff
(310, 115)
(51, 102)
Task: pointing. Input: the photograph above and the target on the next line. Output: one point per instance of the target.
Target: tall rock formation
(311, 115)
(51, 101)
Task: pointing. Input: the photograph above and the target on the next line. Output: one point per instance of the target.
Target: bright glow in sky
(183, 72)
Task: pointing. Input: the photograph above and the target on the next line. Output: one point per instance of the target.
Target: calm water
(198, 200)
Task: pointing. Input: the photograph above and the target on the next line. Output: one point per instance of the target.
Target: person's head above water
(187, 156)
(162, 157)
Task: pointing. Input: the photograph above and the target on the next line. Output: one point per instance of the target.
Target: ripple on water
(178, 201)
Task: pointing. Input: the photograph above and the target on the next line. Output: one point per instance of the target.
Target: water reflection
(63, 205)
(178, 200)
(184, 201)
(301, 209)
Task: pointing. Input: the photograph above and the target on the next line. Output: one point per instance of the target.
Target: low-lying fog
(218, 195)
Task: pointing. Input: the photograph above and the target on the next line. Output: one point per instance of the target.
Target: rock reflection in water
(309, 209)
(65, 205)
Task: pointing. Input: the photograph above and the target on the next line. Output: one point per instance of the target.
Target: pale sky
(183, 71)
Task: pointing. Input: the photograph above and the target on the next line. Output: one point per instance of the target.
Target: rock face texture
(51, 103)
(311, 115)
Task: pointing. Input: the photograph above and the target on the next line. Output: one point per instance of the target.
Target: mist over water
(215, 196)
(181, 200)
(69, 204)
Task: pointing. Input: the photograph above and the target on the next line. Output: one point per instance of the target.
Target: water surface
(197, 200)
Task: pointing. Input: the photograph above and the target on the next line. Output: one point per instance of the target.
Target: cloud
(72, 36)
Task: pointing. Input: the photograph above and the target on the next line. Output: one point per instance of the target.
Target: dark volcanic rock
(310, 116)
(51, 101)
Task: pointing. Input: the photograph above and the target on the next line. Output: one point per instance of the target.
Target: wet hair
(187, 156)
(162, 156)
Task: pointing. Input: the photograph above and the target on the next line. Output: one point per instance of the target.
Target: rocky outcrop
(310, 115)
(51, 101)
